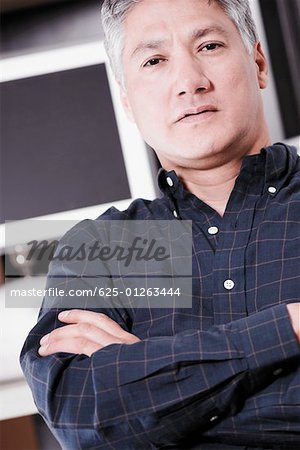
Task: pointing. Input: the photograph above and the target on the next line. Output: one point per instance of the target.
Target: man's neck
(212, 186)
(214, 183)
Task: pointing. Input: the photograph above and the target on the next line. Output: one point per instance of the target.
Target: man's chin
(198, 159)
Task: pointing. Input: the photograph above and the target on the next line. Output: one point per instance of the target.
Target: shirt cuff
(268, 337)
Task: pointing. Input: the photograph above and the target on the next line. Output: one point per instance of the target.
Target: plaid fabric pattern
(223, 374)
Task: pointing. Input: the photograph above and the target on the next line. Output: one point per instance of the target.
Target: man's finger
(81, 330)
(99, 320)
(75, 345)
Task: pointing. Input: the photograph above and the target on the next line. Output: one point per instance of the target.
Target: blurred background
(68, 152)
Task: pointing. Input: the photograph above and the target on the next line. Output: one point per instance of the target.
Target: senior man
(225, 372)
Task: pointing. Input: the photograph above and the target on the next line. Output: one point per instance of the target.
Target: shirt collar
(276, 163)
(281, 161)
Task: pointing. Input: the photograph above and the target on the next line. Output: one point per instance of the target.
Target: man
(224, 373)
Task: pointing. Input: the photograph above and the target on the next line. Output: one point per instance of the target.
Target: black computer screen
(60, 146)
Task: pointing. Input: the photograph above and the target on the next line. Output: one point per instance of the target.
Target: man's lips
(195, 112)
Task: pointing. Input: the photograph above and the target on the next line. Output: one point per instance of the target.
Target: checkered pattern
(221, 374)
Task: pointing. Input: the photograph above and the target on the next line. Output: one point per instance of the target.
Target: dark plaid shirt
(222, 373)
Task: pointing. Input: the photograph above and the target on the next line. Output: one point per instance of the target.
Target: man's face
(190, 85)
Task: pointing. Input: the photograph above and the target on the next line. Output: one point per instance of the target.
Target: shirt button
(213, 230)
(277, 371)
(272, 190)
(228, 284)
(213, 418)
(170, 181)
(175, 214)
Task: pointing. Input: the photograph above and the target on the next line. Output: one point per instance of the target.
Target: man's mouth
(192, 114)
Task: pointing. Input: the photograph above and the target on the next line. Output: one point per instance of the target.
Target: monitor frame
(141, 182)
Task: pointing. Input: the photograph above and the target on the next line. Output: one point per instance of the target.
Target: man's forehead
(149, 23)
(139, 7)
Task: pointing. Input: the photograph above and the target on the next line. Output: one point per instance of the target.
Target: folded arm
(95, 391)
(158, 387)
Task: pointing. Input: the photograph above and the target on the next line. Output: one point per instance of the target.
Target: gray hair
(114, 13)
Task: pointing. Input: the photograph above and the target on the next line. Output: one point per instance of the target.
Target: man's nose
(189, 77)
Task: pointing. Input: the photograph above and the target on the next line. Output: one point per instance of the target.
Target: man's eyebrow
(194, 35)
(202, 32)
(148, 45)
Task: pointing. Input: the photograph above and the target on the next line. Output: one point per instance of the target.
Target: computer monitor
(68, 151)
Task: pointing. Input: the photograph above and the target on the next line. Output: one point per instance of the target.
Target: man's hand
(294, 312)
(85, 333)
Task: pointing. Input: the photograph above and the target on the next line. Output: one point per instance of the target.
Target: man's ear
(261, 66)
(125, 103)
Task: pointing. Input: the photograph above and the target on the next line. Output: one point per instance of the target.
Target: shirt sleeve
(154, 392)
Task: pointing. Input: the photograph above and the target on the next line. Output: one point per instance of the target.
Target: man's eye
(209, 47)
(153, 62)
